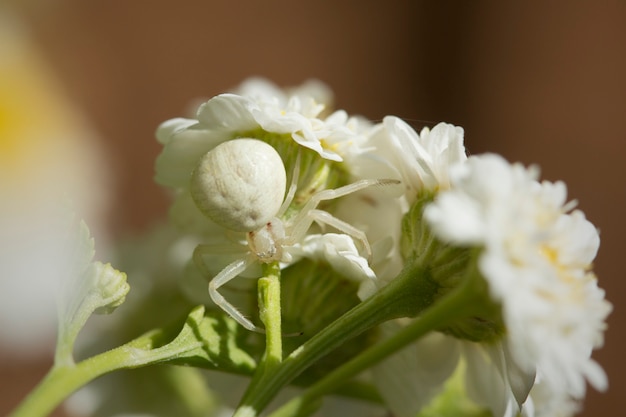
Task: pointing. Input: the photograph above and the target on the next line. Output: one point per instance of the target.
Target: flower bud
(110, 285)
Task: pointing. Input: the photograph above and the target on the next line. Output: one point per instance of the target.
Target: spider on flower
(240, 185)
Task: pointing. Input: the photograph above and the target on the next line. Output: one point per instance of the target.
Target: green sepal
(447, 267)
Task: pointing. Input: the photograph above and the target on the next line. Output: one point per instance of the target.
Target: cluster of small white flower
(537, 260)
(536, 253)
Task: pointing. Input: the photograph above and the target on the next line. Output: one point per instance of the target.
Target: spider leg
(295, 176)
(230, 272)
(348, 189)
(303, 220)
(325, 217)
(203, 249)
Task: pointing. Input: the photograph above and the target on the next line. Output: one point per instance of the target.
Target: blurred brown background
(537, 82)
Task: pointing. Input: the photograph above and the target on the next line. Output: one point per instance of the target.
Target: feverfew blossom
(260, 110)
(536, 259)
(297, 125)
(421, 160)
(265, 110)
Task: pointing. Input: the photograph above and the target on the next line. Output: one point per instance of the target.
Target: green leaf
(207, 341)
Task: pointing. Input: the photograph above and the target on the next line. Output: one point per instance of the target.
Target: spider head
(267, 243)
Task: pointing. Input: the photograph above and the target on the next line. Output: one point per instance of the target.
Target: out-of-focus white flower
(50, 164)
(543, 402)
(413, 377)
(263, 89)
(536, 260)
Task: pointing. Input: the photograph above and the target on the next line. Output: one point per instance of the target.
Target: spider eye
(240, 184)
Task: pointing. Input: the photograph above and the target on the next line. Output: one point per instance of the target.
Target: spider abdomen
(240, 184)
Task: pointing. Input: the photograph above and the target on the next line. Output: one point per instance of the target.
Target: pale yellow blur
(50, 166)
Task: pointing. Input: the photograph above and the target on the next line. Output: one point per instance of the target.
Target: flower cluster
(462, 285)
(533, 252)
(536, 259)
(317, 149)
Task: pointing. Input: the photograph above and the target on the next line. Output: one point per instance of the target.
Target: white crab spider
(240, 185)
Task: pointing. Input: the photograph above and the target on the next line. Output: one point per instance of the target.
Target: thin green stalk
(270, 314)
(269, 305)
(63, 380)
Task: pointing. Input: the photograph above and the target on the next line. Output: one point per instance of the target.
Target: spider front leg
(230, 272)
(324, 217)
(309, 214)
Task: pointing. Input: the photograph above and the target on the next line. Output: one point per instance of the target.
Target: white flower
(410, 379)
(225, 129)
(543, 402)
(260, 106)
(259, 88)
(338, 251)
(536, 260)
(482, 373)
(262, 110)
(421, 160)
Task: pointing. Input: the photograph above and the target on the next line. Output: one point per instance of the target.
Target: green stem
(70, 324)
(455, 306)
(62, 380)
(406, 296)
(269, 306)
(270, 314)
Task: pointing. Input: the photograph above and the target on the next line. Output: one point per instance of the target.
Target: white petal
(181, 155)
(259, 88)
(456, 218)
(411, 378)
(485, 385)
(339, 251)
(167, 129)
(227, 112)
(520, 381)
